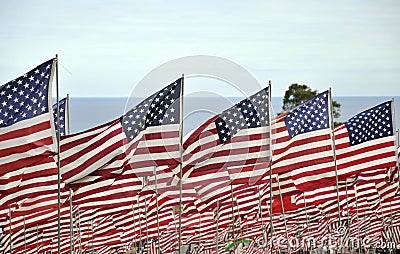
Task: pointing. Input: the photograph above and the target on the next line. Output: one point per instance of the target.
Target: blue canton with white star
(26, 96)
(310, 116)
(371, 124)
(161, 108)
(249, 113)
(62, 108)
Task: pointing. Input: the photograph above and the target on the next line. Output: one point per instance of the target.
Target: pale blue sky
(108, 46)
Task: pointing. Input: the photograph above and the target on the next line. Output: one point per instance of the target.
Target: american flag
(144, 137)
(238, 136)
(301, 137)
(153, 246)
(365, 142)
(63, 116)
(26, 135)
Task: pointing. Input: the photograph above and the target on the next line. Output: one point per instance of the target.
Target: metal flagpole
(158, 221)
(180, 161)
(358, 223)
(397, 140)
(71, 223)
(233, 215)
(58, 163)
(334, 150)
(334, 157)
(397, 154)
(270, 162)
(283, 211)
(216, 231)
(9, 211)
(67, 115)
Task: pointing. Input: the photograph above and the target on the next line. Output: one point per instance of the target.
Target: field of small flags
(244, 181)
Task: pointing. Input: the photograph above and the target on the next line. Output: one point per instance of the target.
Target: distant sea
(90, 112)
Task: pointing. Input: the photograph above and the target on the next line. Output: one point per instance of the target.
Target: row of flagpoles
(142, 159)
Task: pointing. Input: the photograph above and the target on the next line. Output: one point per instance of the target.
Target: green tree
(297, 94)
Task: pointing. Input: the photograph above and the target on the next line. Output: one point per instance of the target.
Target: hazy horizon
(88, 112)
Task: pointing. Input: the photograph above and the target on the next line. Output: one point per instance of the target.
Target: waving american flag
(365, 142)
(63, 107)
(237, 137)
(26, 134)
(144, 137)
(302, 136)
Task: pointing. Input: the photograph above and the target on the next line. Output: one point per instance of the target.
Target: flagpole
(270, 162)
(180, 161)
(71, 223)
(216, 231)
(397, 154)
(334, 154)
(67, 116)
(283, 212)
(158, 221)
(58, 163)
